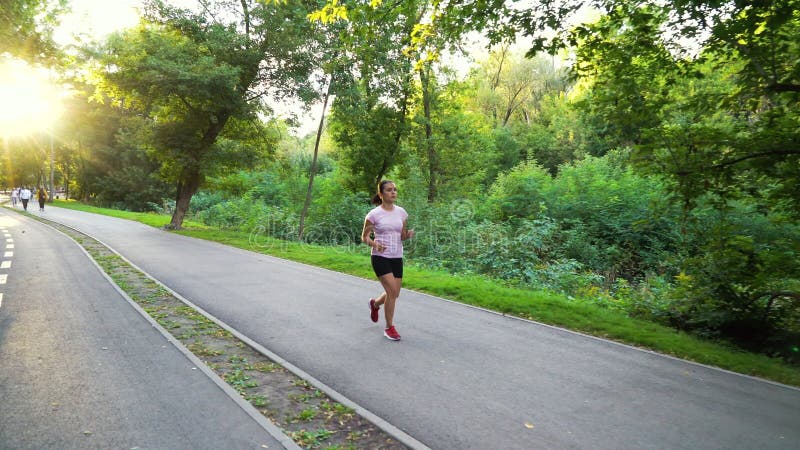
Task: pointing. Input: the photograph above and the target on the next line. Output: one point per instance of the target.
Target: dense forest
(640, 155)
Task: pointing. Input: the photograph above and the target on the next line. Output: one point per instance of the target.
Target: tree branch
(783, 87)
(738, 160)
(776, 294)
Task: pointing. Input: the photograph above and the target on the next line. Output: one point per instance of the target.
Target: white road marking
(8, 254)
(10, 246)
(3, 278)
(1, 299)
(5, 265)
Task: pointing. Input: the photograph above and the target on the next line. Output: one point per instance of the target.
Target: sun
(29, 103)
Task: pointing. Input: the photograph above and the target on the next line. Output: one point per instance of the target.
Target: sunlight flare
(28, 101)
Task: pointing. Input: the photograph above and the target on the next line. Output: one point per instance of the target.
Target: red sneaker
(391, 333)
(373, 310)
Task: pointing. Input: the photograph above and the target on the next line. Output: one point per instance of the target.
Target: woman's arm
(406, 233)
(365, 236)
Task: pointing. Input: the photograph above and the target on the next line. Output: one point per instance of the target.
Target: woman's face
(389, 193)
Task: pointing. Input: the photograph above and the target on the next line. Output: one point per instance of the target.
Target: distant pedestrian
(42, 197)
(14, 196)
(25, 196)
(385, 229)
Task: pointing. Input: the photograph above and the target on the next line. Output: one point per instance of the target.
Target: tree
(369, 115)
(376, 33)
(26, 27)
(191, 75)
(510, 84)
(313, 170)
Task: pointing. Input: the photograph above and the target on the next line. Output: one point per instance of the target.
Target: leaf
(528, 425)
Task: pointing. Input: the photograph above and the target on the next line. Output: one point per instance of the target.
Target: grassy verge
(539, 306)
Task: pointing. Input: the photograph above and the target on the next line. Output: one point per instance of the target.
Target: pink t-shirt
(388, 226)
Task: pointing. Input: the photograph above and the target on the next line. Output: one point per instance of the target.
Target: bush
(741, 278)
(336, 216)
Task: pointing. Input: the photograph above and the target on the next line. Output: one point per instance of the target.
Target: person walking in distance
(42, 197)
(14, 196)
(25, 196)
(385, 229)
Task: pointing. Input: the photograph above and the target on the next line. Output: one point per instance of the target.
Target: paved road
(81, 368)
(461, 378)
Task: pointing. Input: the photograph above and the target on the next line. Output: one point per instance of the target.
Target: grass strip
(545, 307)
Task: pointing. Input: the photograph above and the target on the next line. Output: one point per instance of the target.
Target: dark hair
(376, 200)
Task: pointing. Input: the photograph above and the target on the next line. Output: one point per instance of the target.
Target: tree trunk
(186, 189)
(189, 182)
(314, 162)
(433, 157)
(398, 136)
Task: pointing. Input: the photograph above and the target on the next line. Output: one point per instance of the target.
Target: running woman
(385, 230)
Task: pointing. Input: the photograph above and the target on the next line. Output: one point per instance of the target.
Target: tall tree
(193, 73)
(369, 117)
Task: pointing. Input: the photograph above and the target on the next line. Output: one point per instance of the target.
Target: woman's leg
(381, 299)
(391, 290)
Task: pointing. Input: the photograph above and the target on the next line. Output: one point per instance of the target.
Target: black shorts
(382, 266)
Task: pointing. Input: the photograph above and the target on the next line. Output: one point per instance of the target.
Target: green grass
(152, 219)
(543, 307)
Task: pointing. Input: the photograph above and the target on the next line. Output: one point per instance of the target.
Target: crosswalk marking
(10, 240)
(10, 246)
(3, 278)
(5, 264)
(8, 254)
(1, 299)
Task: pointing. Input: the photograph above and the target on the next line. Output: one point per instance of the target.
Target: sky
(96, 18)
(99, 18)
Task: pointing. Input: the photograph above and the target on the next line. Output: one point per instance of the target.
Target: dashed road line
(6, 264)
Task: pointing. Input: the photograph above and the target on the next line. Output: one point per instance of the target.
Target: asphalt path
(461, 377)
(81, 368)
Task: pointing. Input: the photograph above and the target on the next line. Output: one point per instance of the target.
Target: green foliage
(26, 27)
(337, 214)
(367, 138)
(742, 280)
(627, 218)
(265, 186)
(373, 90)
(462, 143)
(519, 193)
